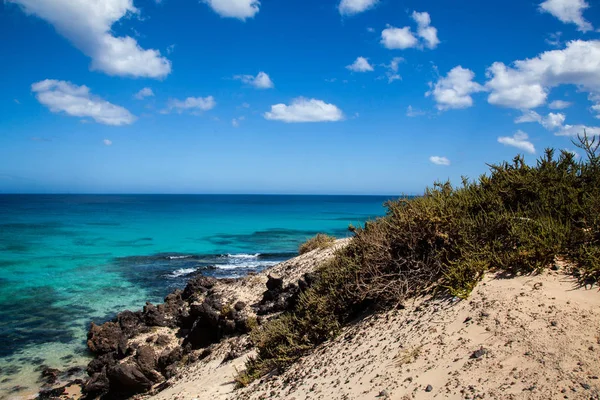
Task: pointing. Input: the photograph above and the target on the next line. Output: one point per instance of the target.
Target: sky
(287, 97)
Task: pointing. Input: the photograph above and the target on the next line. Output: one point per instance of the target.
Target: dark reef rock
(51, 393)
(199, 284)
(146, 359)
(98, 363)
(106, 338)
(97, 384)
(128, 378)
(130, 323)
(49, 375)
(278, 299)
(274, 282)
(201, 318)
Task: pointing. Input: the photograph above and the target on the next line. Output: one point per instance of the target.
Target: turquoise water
(66, 260)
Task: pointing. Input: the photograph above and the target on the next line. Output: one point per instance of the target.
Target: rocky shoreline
(140, 352)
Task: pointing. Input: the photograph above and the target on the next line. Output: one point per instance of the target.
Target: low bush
(518, 220)
(320, 241)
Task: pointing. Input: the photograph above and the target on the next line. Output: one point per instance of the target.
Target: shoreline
(540, 310)
(165, 329)
(25, 374)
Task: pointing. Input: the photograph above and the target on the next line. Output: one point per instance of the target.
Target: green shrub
(320, 241)
(517, 220)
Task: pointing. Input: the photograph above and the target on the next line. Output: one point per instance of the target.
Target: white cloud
(195, 105)
(398, 38)
(526, 83)
(260, 81)
(424, 29)
(518, 140)
(145, 92)
(107, 142)
(87, 25)
(454, 90)
(403, 38)
(77, 101)
(574, 130)
(392, 69)
(236, 121)
(352, 7)
(555, 122)
(528, 116)
(559, 105)
(361, 64)
(414, 112)
(554, 39)
(240, 9)
(569, 12)
(17, 101)
(551, 122)
(439, 160)
(305, 110)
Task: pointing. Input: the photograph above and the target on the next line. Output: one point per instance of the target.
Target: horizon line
(199, 194)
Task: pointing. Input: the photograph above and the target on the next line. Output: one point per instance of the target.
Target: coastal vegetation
(319, 241)
(518, 219)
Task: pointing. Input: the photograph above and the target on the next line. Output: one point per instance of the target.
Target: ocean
(67, 260)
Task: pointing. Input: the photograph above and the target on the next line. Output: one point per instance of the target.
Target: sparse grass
(518, 219)
(407, 356)
(320, 241)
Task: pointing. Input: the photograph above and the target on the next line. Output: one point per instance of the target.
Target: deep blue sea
(66, 260)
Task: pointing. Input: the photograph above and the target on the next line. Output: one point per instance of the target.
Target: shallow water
(66, 260)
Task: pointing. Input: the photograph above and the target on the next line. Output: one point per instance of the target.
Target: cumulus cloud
(424, 29)
(518, 140)
(439, 160)
(260, 81)
(559, 105)
(87, 25)
(569, 12)
(145, 92)
(454, 90)
(240, 9)
(403, 38)
(352, 7)
(194, 105)
(551, 121)
(526, 83)
(77, 101)
(398, 38)
(305, 110)
(107, 142)
(574, 130)
(555, 122)
(361, 64)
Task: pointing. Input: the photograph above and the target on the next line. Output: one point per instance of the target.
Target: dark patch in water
(134, 242)
(103, 223)
(10, 370)
(17, 247)
(282, 238)
(8, 263)
(30, 317)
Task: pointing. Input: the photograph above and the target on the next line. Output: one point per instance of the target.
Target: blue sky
(294, 96)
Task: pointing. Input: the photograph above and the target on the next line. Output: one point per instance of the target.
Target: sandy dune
(531, 337)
